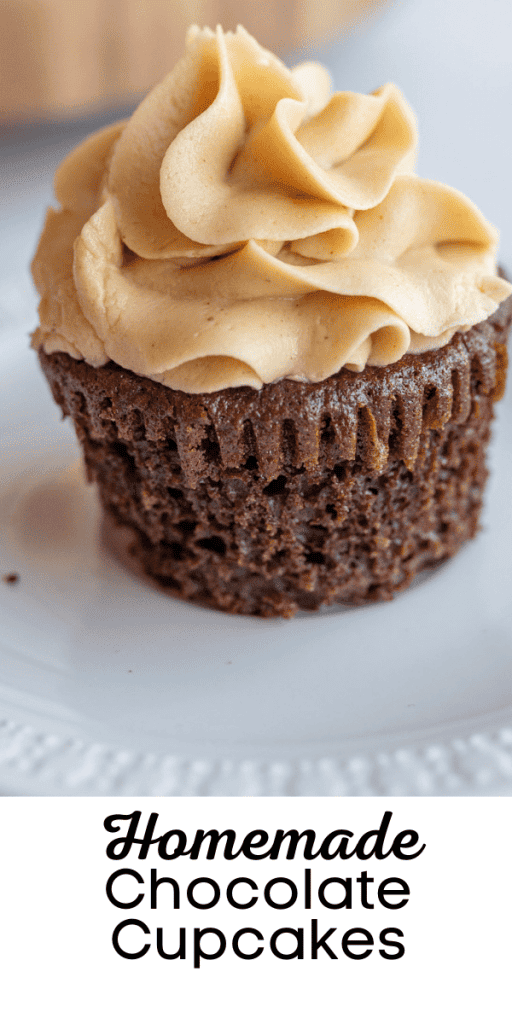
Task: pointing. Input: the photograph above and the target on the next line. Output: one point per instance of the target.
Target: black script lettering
(375, 848)
(400, 841)
(254, 846)
(179, 848)
(252, 841)
(340, 850)
(294, 837)
(125, 843)
(214, 837)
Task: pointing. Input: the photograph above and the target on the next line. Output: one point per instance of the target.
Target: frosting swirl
(246, 225)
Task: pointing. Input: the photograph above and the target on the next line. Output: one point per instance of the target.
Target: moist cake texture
(297, 495)
(279, 345)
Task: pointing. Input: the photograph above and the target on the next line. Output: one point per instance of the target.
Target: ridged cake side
(300, 494)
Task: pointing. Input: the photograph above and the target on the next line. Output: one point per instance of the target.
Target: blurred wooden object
(61, 58)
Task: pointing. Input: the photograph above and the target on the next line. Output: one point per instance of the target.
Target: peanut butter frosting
(246, 225)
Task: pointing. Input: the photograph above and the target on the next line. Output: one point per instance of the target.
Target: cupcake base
(299, 495)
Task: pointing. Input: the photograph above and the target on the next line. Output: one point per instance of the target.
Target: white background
(55, 947)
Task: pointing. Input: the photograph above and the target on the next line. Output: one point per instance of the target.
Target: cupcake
(280, 347)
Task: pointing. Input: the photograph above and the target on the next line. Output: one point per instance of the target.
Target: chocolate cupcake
(263, 325)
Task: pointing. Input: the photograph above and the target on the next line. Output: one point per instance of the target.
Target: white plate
(107, 686)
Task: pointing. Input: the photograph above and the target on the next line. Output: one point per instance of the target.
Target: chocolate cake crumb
(298, 495)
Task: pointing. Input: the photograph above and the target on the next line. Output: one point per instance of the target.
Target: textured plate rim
(50, 763)
(460, 758)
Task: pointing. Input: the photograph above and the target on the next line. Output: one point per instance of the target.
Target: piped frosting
(245, 225)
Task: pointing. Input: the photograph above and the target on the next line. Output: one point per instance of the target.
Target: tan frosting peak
(246, 225)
